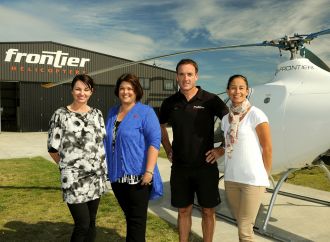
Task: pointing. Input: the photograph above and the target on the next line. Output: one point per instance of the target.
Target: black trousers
(133, 200)
(84, 216)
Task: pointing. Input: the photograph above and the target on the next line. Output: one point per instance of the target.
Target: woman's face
(81, 93)
(238, 91)
(126, 93)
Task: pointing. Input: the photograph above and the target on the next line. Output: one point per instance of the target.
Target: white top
(246, 163)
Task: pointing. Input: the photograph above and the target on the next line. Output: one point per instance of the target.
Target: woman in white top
(248, 156)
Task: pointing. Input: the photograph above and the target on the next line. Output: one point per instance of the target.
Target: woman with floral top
(132, 144)
(75, 142)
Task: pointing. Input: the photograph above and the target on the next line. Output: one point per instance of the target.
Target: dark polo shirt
(192, 124)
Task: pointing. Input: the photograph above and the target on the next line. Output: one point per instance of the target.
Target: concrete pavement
(292, 219)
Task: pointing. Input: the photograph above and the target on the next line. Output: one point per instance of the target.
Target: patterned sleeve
(104, 166)
(102, 125)
(55, 133)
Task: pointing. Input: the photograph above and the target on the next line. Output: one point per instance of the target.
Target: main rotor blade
(314, 59)
(53, 84)
(316, 34)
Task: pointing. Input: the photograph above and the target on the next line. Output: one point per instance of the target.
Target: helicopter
(296, 102)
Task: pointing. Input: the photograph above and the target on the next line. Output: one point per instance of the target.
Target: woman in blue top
(132, 145)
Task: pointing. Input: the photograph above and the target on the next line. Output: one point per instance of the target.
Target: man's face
(186, 77)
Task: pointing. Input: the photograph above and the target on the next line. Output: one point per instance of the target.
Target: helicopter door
(271, 99)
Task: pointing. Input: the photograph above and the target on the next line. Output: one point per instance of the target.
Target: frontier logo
(294, 68)
(56, 59)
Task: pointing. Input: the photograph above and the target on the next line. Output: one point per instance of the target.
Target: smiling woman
(248, 156)
(75, 142)
(132, 146)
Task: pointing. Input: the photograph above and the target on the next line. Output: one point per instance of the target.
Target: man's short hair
(185, 62)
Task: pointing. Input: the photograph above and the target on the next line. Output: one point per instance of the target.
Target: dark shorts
(203, 181)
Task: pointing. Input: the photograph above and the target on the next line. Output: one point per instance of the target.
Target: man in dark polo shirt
(191, 112)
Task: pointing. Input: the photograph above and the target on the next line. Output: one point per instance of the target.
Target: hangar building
(26, 106)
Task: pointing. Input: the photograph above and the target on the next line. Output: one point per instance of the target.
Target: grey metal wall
(37, 104)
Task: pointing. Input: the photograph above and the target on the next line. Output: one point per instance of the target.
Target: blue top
(138, 131)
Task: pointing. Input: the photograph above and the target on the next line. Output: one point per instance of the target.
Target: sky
(138, 30)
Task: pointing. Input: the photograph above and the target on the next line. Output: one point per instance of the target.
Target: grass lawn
(31, 208)
(313, 177)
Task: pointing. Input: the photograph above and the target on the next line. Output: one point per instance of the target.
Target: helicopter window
(168, 85)
(267, 100)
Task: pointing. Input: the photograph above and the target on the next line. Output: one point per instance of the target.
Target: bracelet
(150, 172)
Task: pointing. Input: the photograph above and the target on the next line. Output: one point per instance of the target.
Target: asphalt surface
(291, 219)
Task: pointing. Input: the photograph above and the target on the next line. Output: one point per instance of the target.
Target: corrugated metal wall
(37, 104)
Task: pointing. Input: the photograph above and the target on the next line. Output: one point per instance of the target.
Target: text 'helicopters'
(296, 101)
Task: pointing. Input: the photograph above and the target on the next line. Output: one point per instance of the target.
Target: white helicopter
(296, 102)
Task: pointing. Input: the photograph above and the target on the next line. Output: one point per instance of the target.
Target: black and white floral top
(78, 137)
